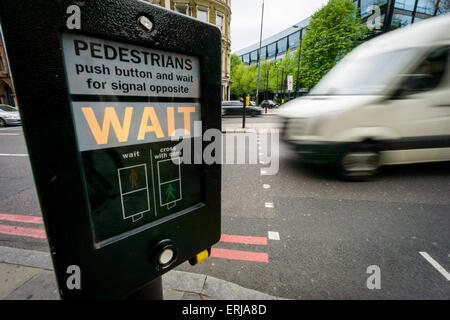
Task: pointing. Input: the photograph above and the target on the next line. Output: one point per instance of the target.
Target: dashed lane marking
(273, 235)
(269, 205)
(11, 129)
(13, 155)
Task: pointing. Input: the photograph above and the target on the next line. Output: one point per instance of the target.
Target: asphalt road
(329, 231)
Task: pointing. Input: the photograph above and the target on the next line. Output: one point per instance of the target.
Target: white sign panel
(290, 80)
(126, 95)
(100, 67)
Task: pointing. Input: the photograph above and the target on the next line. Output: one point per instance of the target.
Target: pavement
(28, 275)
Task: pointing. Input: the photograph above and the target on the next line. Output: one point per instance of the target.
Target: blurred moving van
(387, 102)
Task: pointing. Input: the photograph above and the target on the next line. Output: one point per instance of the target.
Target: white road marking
(273, 235)
(9, 134)
(13, 155)
(269, 205)
(263, 172)
(12, 129)
(436, 265)
(266, 186)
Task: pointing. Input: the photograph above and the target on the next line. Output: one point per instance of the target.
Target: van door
(421, 108)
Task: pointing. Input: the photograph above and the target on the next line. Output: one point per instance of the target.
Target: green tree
(248, 81)
(237, 70)
(235, 61)
(335, 30)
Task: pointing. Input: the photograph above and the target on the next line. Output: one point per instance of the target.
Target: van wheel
(360, 164)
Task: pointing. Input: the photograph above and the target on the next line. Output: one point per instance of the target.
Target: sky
(278, 16)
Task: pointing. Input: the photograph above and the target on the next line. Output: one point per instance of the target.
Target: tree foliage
(336, 29)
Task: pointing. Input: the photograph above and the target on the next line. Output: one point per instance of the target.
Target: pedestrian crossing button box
(122, 87)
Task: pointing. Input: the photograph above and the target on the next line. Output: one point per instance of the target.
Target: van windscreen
(365, 76)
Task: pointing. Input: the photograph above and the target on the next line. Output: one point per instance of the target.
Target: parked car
(9, 116)
(269, 104)
(235, 108)
(387, 102)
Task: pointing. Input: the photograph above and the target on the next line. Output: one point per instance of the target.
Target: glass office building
(393, 14)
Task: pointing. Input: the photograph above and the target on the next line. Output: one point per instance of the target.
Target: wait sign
(124, 94)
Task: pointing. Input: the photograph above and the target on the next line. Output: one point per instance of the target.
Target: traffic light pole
(243, 113)
(267, 88)
(297, 84)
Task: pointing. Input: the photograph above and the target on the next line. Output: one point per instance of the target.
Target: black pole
(414, 12)
(276, 87)
(281, 85)
(267, 84)
(388, 17)
(152, 291)
(286, 88)
(243, 113)
(297, 84)
(267, 89)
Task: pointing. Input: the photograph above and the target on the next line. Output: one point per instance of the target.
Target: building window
(219, 21)
(444, 7)
(263, 53)
(400, 20)
(254, 56)
(181, 9)
(271, 49)
(367, 3)
(405, 4)
(202, 14)
(425, 6)
(430, 7)
(294, 39)
(245, 58)
(282, 45)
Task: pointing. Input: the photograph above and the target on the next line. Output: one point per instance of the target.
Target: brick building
(7, 95)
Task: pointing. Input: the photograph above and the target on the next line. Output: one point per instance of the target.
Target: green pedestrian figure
(169, 193)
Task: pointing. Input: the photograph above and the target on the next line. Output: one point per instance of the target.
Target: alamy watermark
(73, 281)
(374, 280)
(213, 147)
(374, 20)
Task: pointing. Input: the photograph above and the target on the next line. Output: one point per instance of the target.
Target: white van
(387, 102)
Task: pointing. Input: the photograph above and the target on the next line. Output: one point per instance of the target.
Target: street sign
(290, 80)
(102, 107)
